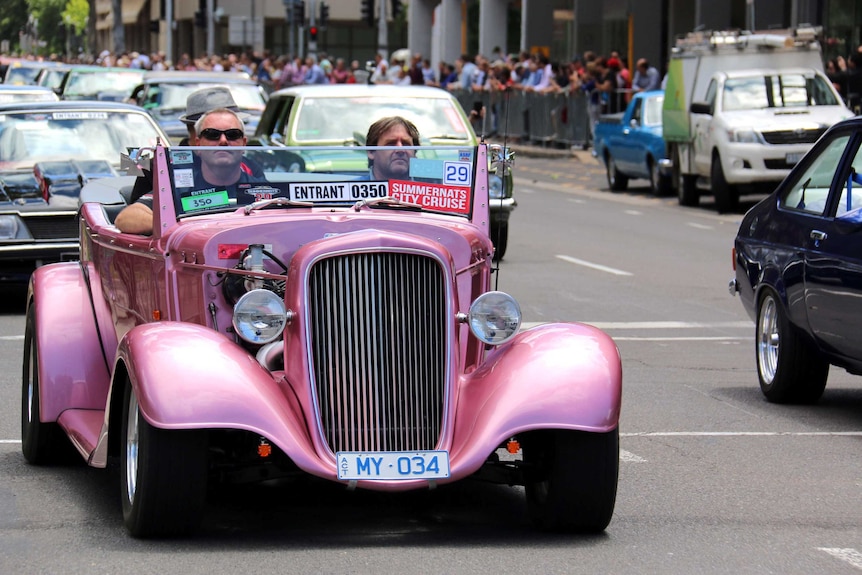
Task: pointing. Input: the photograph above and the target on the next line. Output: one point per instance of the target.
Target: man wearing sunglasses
(216, 169)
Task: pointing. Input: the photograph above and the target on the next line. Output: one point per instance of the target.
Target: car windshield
(90, 84)
(652, 111)
(7, 96)
(336, 120)
(779, 91)
(437, 179)
(28, 138)
(172, 96)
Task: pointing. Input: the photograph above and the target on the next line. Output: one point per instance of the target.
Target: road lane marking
(849, 555)
(699, 226)
(591, 265)
(629, 457)
(632, 212)
(12, 337)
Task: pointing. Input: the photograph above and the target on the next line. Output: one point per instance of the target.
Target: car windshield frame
(91, 83)
(441, 180)
(336, 120)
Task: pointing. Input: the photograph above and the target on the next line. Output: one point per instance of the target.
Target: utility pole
(382, 36)
(210, 27)
(312, 42)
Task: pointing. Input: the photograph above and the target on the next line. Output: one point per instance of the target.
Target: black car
(48, 151)
(163, 95)
(798, 261)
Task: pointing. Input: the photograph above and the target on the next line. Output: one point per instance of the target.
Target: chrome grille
(378, 326)
(44, 227)
(793, 136)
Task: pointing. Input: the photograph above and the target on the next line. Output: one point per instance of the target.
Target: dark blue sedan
(798, 263)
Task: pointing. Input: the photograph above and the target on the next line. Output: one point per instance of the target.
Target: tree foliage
(13, 19)
(51, 28)
(76, 14)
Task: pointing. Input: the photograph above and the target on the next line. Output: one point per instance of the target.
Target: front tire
(571, 479)
(41, 442)
(726, 195)
(617, 181)
(500, 237)
(659, 184)
(163, 475)
(790, 369)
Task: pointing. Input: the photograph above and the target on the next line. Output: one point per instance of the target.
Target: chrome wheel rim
(768, 340)
(132, 448)
(31, 387)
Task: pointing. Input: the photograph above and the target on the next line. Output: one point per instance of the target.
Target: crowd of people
(607, 81)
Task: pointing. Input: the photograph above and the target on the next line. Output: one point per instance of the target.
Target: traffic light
(312, 33)
(299, 13)
(368, 11)
(324, 14)
(200, 20)
(396, 8)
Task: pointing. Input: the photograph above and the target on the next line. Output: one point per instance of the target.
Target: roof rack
(802, 37)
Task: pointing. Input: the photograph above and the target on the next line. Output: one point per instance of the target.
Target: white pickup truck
(741, 109)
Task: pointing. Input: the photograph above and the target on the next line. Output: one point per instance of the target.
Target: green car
(332, 116)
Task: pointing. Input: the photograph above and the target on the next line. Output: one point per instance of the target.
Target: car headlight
(9, 226)
(495, 317)
(259, 316)
(495, 187)
(744, 136)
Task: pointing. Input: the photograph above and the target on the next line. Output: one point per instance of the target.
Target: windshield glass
(780, 91)
(652, 111)
(91, 84)
(436, 179)
(337, 120)
(173, 96)
(28, 138)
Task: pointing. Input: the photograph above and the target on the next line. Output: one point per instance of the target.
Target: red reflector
(513, 447)
(733, 255)
(230, 251)
(264, 449)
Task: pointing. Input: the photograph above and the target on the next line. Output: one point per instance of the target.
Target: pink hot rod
(312, 322)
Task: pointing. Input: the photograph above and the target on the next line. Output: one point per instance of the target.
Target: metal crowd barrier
(558, 120)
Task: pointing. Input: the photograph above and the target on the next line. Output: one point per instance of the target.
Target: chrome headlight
(495, 187)
(9, 226)
(495, 317)
(259, 316)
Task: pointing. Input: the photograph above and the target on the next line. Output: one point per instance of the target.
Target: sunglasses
(213, 135)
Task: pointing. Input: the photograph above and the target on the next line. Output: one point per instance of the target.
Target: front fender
(74, 337)
(187, 376)
(554, 376)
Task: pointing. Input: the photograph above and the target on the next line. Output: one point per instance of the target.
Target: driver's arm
(135, 218)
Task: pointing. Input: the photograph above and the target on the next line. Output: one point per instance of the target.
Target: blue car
(798, 262)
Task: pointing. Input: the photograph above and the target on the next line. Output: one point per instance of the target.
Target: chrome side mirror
(502, 159)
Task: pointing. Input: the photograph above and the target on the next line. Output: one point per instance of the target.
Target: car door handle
(817, 235)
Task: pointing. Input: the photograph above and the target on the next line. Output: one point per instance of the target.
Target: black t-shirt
(251, 172)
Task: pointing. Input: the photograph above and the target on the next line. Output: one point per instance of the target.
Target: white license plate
(393, 465)
(793, 158)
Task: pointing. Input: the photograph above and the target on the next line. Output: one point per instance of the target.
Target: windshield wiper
(276, 202)
(386, 202)
(444, 137)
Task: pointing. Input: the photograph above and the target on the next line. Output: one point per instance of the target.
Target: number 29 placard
(457, 173)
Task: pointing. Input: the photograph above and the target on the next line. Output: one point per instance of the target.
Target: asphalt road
(713, 479)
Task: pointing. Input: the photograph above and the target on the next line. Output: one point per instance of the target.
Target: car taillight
(733, 256)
